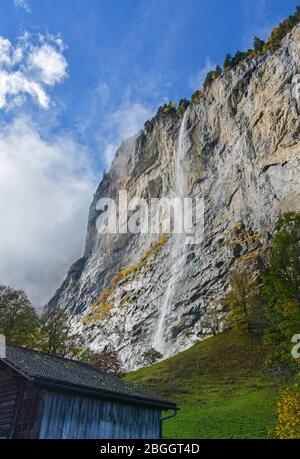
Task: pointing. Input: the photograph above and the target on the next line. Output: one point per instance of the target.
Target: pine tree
(218, 70)
(227, 62)
(208, 79)
(258, 44)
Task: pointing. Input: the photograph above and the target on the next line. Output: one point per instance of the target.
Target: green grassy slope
(221, 386)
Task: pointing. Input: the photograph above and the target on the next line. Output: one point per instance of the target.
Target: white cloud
(14, 87)
(195, 81)
(102, 92)
(109, 125)
(51, 66)
(45, 190)
(121, 124)
(46, 183)
(22, 4)
(28, 68)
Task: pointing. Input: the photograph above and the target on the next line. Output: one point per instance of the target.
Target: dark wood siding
(8, 398)
(29, 412)
(27, 415)
(19, 406)
(67, 416)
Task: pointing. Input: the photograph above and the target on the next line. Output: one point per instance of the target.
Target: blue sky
(126, 52)
(80, 75)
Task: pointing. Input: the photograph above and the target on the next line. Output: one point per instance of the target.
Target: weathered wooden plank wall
(28, 412)
(19, 406)
(8, 397)
(65, 416)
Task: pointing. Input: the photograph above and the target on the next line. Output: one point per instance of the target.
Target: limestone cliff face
(243, 159)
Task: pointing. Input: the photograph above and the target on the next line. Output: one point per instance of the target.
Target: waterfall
(177, 260)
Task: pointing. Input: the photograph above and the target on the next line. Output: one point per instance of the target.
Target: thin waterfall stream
(179, 247)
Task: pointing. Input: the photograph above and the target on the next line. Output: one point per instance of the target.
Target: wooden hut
(46, 396)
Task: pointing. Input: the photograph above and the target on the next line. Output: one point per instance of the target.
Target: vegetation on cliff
(260, 47)
(100, 309)
(231, 62)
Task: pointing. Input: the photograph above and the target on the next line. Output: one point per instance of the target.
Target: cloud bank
(45, 192)
(46, 182)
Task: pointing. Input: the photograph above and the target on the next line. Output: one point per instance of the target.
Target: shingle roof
(58, 371)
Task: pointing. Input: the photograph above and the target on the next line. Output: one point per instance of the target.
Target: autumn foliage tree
(56, 334)
(281, 288)
(18, 319)
(244, 305)
(212, 75)
(107, 360)
(288, 416)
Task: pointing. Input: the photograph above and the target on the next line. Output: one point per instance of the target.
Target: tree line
(269, 307)
(259, 48)
(50, 332)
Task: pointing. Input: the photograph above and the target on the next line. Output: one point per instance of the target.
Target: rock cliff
(242, 154)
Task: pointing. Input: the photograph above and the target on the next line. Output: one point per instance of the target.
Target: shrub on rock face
(167, 109)
(183, 105)
(211, 76)
(151, 356)
(197, 96)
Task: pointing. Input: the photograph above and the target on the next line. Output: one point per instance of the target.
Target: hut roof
(59, 373)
